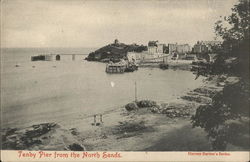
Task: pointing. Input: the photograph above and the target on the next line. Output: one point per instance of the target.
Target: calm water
(52, 90)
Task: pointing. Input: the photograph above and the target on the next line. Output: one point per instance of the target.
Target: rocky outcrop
(114, 51)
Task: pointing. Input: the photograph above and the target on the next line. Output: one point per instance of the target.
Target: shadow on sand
(185, 138)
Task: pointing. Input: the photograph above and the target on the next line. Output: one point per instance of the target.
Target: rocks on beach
(179, 108)
(44, 136)
(131, 106)
(14, 138)
(196, 98)
(146, 103)
(170, 110)
(140, 104)
(176, 110)
(206, 91)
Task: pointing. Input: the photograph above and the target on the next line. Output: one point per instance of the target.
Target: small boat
(131, 67)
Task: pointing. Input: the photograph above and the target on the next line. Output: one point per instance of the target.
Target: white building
(160, 48)
(179, 48)
(154, 47)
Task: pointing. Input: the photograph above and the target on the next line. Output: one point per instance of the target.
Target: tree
(234, 31)
(238, 21)
(226, 119)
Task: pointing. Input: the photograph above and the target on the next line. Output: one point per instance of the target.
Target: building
(154, 53)
(178, 48)
(183, 48)
(212, 43)
(205, 46)
(144, 57)
(200, 47)
(116, 41)
(172, 48)
(154, 47)
(160, 48)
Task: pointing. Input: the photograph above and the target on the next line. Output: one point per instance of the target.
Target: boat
(118, 67)
(121, 66)
(131, 67)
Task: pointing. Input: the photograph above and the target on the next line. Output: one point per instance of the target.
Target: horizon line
(49, 47)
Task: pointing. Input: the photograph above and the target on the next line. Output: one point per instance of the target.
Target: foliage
(229, 105)
(226, 119)
(234, 31)
(238, 21)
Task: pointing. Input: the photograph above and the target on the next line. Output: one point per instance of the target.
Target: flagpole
(135, 92)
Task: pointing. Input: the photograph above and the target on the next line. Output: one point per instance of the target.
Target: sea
(51, 91)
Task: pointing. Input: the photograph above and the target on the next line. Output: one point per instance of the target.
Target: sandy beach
(139, 130)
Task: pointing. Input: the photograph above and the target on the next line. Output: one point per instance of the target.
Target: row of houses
(205, 46)
(155, 47)
(156, 50)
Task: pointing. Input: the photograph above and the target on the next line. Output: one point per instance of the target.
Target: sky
(85, 23)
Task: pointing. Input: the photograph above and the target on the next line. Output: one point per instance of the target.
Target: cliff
(114, 51)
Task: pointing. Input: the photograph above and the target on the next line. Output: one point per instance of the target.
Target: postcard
(116, 80)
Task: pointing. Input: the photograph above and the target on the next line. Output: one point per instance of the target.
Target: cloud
(59, 23)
